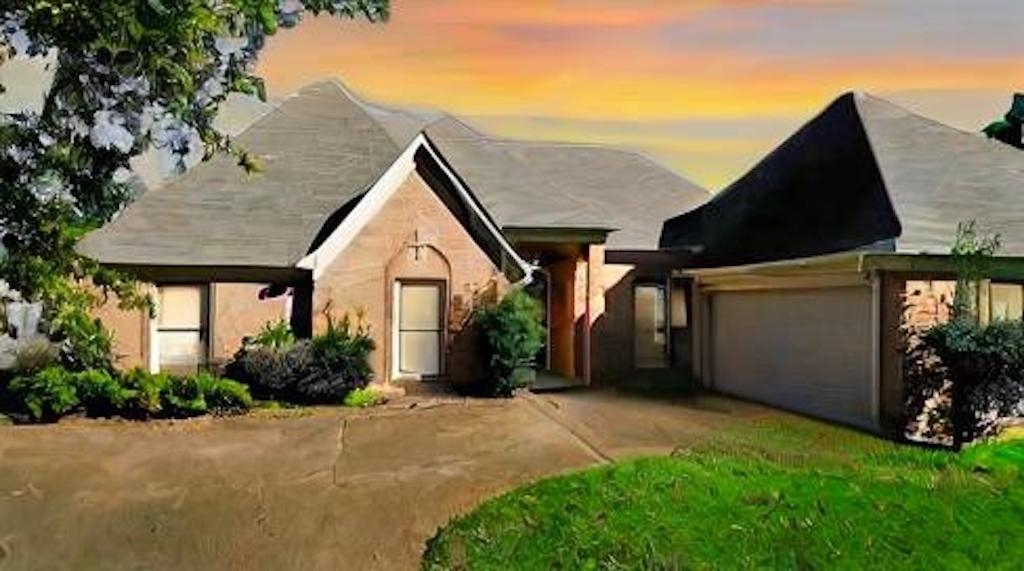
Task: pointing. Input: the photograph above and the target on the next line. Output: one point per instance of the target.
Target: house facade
(790, 287)
(404, 223)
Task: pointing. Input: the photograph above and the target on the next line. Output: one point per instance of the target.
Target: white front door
(419, 329)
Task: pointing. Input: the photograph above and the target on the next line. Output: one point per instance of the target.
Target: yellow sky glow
(571, 62)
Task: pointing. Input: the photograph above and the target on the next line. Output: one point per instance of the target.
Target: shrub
(320, 370)
(982, 367)
(84, 342)
(271, 373)
(339, 363)
(144, 393)
(99, 392)
(53, 392)
(46, 395)
(512, 333)
(222, 395)
(363, 398)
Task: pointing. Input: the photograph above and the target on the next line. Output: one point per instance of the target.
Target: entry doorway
(418, 329)
(650, 327)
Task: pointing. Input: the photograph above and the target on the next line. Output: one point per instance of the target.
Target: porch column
(594, 305)
(563, 317)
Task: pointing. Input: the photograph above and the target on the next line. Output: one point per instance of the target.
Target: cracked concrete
(333, 489)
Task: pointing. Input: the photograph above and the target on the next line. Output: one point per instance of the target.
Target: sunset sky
(706, 86)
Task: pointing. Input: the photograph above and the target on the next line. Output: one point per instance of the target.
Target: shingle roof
(864, 174)
(322, 148)
(319, 150)
(525, 184)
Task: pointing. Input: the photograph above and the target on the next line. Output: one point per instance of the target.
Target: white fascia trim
(464, 193)
(853, 259)
(372, 203)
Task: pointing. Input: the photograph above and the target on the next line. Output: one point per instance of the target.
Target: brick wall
(238, 312)
(414, 236)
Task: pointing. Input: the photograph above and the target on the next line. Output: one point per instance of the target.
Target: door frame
(396, 326)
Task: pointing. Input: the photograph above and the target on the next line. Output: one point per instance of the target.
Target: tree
(128, 75)
(1010, 129)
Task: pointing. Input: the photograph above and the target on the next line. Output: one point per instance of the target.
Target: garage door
(803, 350)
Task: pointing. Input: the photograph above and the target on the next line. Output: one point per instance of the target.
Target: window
(420, 328)
(677, 304)
(1006, 302)
(650, 332)
(181, 327)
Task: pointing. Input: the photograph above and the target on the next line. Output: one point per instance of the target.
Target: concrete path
(334, 489)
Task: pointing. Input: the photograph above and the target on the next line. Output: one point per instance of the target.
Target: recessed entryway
(650, 328)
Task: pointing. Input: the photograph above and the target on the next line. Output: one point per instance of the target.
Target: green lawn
(784, 494)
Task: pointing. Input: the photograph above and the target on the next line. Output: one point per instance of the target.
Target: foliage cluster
(771, 494)
(323, 369)
(53, 392)
(984, 367)
(128, 76)
(1010, 129)
(512, 333)
(363, 398)
(963, 377)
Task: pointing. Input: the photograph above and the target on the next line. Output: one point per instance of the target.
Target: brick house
(407, 222)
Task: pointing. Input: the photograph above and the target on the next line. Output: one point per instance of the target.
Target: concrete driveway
(330, 489)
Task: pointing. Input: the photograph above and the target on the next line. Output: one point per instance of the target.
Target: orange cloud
(609, 60)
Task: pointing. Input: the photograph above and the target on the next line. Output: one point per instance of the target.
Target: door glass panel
(421, 307)
(651, 338)
(420, 352)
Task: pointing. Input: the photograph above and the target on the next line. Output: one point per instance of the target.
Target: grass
(788, 493)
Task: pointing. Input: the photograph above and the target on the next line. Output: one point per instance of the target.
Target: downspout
(876, 347)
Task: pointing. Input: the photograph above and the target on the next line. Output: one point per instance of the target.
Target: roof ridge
(865, 95)
(446, 116)
(606, 147)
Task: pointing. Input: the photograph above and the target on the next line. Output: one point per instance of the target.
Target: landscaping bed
(790, 494)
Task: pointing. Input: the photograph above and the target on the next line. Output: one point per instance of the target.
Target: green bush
(981, 366)
(46, 395)
(144, 393)
(362, 398)
(100, 393)
(512, 333)
(340, 363)
(219, 394)
(54, 392)
(323, 369)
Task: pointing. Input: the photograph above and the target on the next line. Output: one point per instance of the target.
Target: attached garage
(807, 350)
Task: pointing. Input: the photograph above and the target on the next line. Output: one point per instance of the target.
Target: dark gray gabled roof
(525, 184)
(319, 149)
(864, 174)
